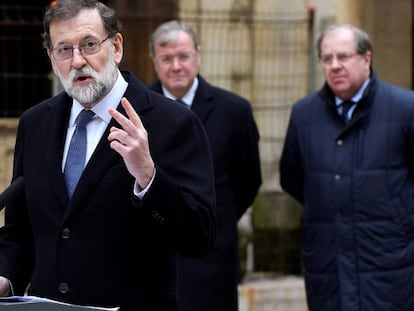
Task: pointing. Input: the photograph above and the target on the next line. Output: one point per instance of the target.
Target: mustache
(76, 73)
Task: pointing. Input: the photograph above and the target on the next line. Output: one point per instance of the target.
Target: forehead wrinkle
(86, 24)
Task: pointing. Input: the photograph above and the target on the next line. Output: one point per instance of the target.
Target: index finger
(133, 117)
(130, 111)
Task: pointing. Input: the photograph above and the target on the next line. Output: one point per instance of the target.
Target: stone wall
(7, 138)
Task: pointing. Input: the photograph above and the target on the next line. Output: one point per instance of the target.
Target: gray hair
(361, 38)
(168, 32)
(66, 9)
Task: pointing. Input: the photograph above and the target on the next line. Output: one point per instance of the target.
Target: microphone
(11, 192)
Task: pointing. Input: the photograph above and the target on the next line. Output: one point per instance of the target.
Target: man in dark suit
(146, 192)
(210, 283)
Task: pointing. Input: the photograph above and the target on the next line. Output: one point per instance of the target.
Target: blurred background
(261, 49)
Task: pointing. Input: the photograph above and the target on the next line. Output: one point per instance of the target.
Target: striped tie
(75, 160)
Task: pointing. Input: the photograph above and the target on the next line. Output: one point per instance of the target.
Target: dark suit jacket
(106, 247)
(210, 283)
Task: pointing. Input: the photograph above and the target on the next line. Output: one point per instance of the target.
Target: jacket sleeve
(245, 167)
(291, 165)
(181, 200)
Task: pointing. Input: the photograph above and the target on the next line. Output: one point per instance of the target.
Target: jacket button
(339, 142)
(158, 217)
(65, 233)
(63, 288)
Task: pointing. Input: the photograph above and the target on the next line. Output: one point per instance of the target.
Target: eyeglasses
(340, 57)
(65, 52)
(169, 60)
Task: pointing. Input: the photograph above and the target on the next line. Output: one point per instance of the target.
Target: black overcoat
(104, 246)
(210, 283)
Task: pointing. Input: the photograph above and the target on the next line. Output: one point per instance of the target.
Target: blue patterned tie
(75, 160)
(346, 106)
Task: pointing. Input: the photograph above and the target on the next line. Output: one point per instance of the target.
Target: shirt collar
(188, 97)
(358, 95)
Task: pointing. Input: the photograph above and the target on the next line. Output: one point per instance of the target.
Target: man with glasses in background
(348, 158)
(210, 283)
(116, 180)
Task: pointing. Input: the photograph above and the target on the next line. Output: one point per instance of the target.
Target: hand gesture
(131, 142)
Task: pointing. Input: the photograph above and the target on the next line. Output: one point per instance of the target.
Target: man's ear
(52, 62)
(118, 42)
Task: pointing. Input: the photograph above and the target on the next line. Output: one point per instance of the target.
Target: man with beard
(146, 191)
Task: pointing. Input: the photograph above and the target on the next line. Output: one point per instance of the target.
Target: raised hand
(131, 142)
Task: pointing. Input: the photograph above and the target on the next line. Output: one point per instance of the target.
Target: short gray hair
(167, 32)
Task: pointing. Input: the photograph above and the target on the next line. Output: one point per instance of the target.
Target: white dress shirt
(97, 126)
(187, 98)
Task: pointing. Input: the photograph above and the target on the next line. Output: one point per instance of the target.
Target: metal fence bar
(264, 57)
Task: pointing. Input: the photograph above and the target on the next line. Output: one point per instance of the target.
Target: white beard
(99, 86)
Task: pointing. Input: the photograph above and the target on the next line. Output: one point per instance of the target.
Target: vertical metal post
(311, 47)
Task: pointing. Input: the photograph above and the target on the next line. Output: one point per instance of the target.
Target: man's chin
(180, 85)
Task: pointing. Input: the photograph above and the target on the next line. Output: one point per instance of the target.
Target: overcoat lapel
(203, 101)
(104, 156)
(55, 126)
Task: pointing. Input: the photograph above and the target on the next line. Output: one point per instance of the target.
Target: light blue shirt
(96, 127)
(356, 98)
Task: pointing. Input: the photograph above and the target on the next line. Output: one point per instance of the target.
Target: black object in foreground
(33, 303)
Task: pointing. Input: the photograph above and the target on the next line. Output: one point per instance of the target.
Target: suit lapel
(104, 156)
(55, 126)
(203, 101)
